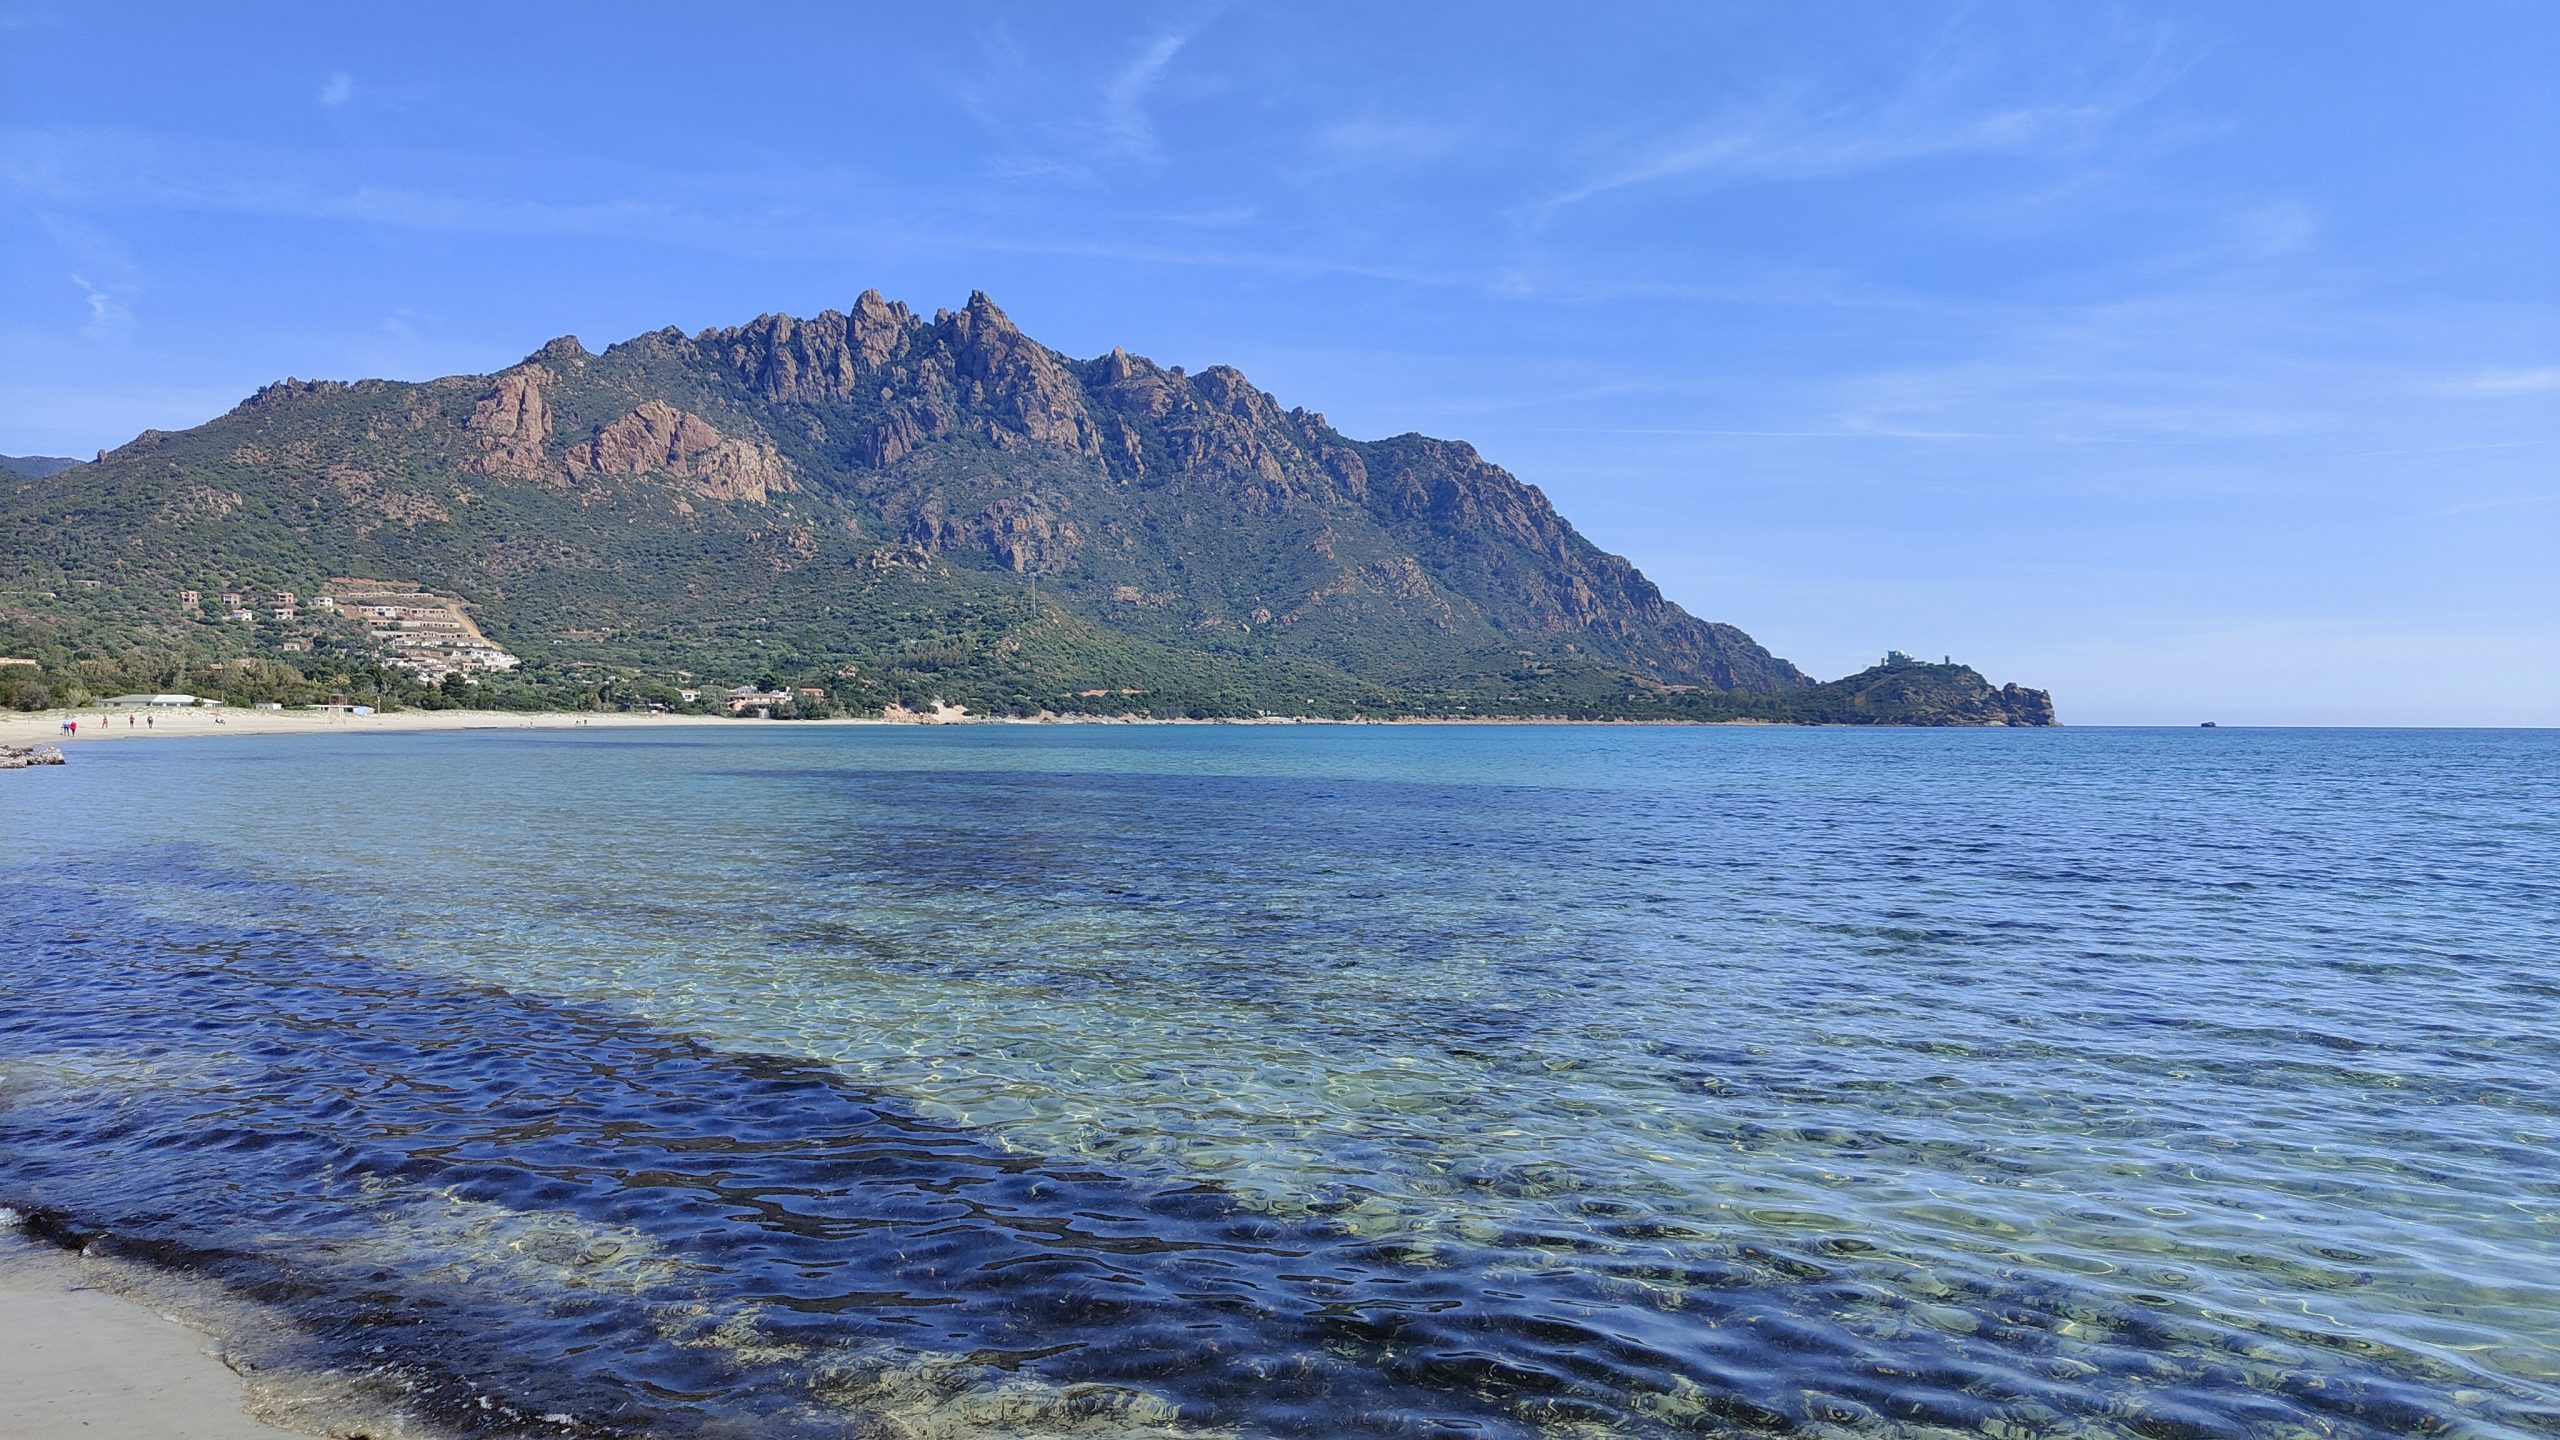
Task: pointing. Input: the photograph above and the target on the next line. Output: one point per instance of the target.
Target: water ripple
(1321, 1082)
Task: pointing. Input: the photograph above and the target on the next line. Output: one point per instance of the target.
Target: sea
(1471, 1081)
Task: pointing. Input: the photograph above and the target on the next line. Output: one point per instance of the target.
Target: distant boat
(2208, 725)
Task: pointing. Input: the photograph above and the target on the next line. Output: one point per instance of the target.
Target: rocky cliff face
(656, 438)
(1187, 511)
(510, 428)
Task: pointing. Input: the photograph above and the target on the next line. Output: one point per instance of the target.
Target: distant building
(763, 702)
(239, 614)
(190, 597)
(814, 692)
(285, 612)
(159, 701)
(687, 696)
(14, 660)
(233, 599)
(287, 599)
(324, 602)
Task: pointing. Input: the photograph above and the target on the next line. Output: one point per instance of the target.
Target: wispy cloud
(2536, 500)
(1125, 124)
(337, 90)
(1016, 100)
(68, 170)
(1371, 140)
(110, 314)
(2278, 227)
(1949, 106)
(2500, 383)
(1224, 217)
(1781, 146)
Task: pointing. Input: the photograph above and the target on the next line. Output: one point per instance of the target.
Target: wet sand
(79, 1361)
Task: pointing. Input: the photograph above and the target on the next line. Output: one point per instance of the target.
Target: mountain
(36, 467)
(894, 510)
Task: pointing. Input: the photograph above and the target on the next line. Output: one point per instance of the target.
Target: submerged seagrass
(1322, 1081)
(897, 509)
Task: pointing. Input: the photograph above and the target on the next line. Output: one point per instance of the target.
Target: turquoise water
(1323, 1080)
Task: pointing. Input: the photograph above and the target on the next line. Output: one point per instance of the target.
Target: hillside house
(762, 702)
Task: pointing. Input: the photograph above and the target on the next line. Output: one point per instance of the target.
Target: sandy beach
(78, 1360)
(45, 727)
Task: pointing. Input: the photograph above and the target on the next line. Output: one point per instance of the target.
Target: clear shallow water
(770, 1081)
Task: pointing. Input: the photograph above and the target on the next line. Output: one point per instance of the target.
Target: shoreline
(45, 727)
(80, 1358)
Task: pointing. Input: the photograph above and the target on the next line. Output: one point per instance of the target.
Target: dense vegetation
(888, 510)
(36, 467)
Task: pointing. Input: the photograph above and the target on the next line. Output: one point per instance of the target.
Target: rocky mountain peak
(826, 357)
(983, 316)
(1225, 387)
(1000, 369)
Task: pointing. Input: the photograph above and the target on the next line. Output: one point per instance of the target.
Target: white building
(155, 700)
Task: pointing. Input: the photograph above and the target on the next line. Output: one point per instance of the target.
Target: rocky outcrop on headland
(1904, 691)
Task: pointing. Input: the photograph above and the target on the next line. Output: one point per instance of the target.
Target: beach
(45, 727)
(77, 1359)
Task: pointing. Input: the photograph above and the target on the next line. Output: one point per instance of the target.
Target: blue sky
(2194, 361)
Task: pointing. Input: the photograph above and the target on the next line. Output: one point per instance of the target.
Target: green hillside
(892, 510)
